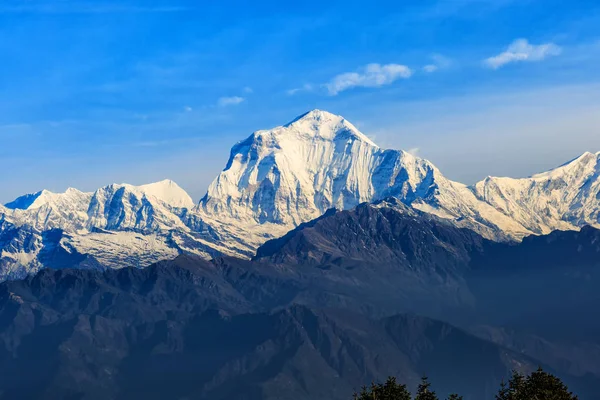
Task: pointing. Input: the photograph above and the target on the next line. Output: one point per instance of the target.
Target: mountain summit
(293, 173)
(318, 123)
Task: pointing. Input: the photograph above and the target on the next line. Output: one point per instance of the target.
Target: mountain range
(274, 181)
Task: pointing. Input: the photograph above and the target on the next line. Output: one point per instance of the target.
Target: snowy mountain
(564, 198)
(46, 210)
(279, 178)
(117, 225)
(275, 180)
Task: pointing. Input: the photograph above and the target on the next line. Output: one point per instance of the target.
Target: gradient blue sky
(136, 91)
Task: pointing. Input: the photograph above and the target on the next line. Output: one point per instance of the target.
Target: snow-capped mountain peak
(566, 197)
(323, 125)
(28, 201)
(583, 165)
(295, 172)
(115, 226)
(44, 197)
(169, 192)
(151, 207)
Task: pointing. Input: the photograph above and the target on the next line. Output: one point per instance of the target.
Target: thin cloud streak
(522, 51)
(372, 75)
(307, 87)
(439, 62)
(230, 101)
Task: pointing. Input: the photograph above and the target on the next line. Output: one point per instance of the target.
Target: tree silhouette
(390, 390)
(539, 385)
(424, 391)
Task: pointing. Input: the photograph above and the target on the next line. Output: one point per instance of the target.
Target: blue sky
(95, 92)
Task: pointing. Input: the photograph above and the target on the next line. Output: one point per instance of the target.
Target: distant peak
(25, 201)
(164, 183)
(327, 123)
(315, 115)
(585, 162)
(73, 191)
(169, 192)
(35, 200)
(587, 156)
(166, 191)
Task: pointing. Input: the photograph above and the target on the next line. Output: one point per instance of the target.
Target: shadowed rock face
(384, 233)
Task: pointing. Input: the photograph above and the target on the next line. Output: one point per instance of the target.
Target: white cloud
(307, 87)
(230, 101)
(522, 50)
(188, 109)
(439, 62)
(373, 75)
(248, 89)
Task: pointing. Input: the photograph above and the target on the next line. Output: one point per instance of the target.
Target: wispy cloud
(521, 50)
(439, 62)
(248, 90)
(307, 87)
(82, 8)
(372, 75)
(230, 101)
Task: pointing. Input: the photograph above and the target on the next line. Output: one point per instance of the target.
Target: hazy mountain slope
(388, 249)
(546, 285)
(147, 333)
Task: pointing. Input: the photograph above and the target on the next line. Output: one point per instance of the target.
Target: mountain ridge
(279, 178)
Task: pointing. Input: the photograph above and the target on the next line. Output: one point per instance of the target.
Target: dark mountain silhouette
(111, 336)
(317, 313)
